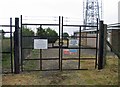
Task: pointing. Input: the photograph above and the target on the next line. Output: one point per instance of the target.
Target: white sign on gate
(73, 42)
(40, 44)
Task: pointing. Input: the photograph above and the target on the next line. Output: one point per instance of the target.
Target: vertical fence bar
(61, 41)
(101, 45)
(79, 46)
(21, 46)
(11, 45)
(40, 59)
(96, 45)
(59, 45)
(16, 47)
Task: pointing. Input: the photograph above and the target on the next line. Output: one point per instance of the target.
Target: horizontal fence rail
(60, 46)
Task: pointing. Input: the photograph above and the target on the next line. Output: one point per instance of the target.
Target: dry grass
(107, 76)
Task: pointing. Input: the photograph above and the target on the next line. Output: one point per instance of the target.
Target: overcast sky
(67, 8)
(12, 8)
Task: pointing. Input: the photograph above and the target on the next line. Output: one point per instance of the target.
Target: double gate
(54, 57)
(31, 52)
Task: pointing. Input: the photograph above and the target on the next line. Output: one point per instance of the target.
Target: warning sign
(70, 51)
(73, 42)
(40, 44)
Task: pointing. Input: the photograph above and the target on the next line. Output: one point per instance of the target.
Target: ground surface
(107, 76)
(92, 76)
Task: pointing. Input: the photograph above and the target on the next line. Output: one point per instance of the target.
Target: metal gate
(7, 47)
(54, 57)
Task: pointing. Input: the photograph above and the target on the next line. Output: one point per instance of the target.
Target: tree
(3, 33)
(27, 41)
(51, 35)
(65, 35)
(41, 32)
(47, 33)
(27, 32)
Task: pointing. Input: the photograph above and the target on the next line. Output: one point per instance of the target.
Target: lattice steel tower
(92, 9)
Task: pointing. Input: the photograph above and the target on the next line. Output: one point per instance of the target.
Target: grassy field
(107, 76)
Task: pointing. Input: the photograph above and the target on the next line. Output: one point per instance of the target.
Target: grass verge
(106, 76)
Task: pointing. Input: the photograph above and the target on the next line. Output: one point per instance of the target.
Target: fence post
(105, 45)
(101, 45)
(16, 47)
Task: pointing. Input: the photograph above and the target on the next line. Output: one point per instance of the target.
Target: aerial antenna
(92, 10)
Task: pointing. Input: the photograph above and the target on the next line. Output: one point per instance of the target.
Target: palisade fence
(21, 44)
(113, 41)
